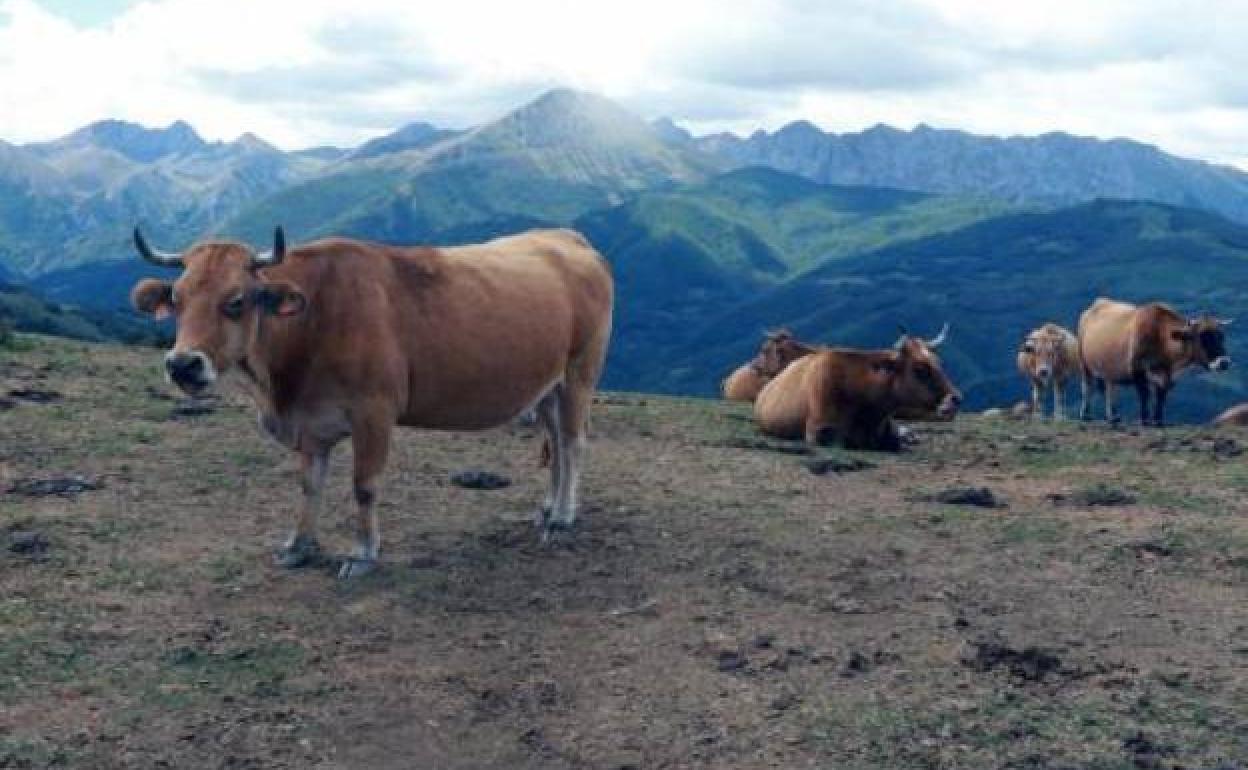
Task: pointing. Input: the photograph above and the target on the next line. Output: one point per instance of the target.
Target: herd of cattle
(342, 338)
(853, 397)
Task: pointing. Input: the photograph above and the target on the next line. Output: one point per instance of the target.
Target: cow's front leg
(1037, 400)
(1111, 407)
(1142, 388)
(1059, 399)
(370, 444)
(301, 547)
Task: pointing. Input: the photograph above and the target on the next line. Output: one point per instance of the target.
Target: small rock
(822, 465)
(981, 497)
(857, 664)
(732, 660)
(784, 702)
(35, 395)
(192, 407)
(477, 479)
(30, 543)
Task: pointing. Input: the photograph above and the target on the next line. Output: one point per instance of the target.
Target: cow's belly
(477, 403)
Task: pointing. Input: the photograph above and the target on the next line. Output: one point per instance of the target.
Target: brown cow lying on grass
(1048, 359)
(779, 349)
(343, 338)
(852, 396)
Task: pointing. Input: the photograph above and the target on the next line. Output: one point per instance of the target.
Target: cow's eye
(233, 307)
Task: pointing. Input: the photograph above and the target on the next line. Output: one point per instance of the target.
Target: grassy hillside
(718, 605)
(684, 255)
(993, 281)
(24, 311)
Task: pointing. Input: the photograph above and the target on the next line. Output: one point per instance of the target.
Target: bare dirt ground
(720, 605)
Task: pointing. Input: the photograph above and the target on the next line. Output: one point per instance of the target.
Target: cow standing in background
(779, 350)
(1048, 358)
(343, 338)
(852, 396)
(1146, 346)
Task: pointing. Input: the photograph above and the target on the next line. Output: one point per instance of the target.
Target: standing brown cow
(1048, 358)
(853, 395)
(345, 338)
(779, 349)
(1146, 346)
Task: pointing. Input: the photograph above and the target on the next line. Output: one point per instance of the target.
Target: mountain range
(712, 239)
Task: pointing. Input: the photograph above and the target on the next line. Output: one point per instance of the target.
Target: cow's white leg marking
(549, 417)
(1037, 400)
(301, 546)
(1111, 397)
(1059, 399)
(1085, 396)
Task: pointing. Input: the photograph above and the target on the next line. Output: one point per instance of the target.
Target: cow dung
(29, 543)
(981, 497)
(478, 479)
(64, 486)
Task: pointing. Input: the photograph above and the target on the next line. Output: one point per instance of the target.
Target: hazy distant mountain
(1054, 168)
(546, 162)
(413, 136)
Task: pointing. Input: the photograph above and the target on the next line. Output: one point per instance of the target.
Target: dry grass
(719, 606)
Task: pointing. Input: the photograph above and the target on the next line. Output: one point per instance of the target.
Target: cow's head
(924, 362)
(217, 302)
(1045, 350)
(779, 349)
(920, 387)
(1205, 342)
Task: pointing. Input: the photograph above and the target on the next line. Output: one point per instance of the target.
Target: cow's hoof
(300, 553)
(555, 530)
(541, 519)
(355, 567)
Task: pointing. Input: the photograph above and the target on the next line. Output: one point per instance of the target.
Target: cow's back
(744, 384)
(460, 338)
(1106, 332)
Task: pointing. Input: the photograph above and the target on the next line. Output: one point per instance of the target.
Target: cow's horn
(274, 256)
(940, 338)
(162, 258)
(1225, 321)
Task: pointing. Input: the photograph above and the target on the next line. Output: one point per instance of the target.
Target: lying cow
(852, 396)
(345, 338)
(1146, 346)
(1048, 359)
(779, 350)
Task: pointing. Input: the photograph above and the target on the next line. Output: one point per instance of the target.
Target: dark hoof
(301, 553)
(555, 530)
(355, 567)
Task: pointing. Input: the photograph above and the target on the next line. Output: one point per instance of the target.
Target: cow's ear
(278, 298)
(152, 297)
(1028, 346)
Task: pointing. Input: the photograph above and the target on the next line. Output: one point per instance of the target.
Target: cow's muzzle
(192, 371)
(1220, 364)
(949, 406)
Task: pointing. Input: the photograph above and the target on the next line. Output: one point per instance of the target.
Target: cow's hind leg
(302, 547)
(1085, 393)
(575, 400)
(549, 416)
(370, 445)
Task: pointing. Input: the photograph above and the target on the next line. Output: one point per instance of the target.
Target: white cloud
(338, 71)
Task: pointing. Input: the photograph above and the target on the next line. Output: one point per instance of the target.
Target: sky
(1171, 73)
